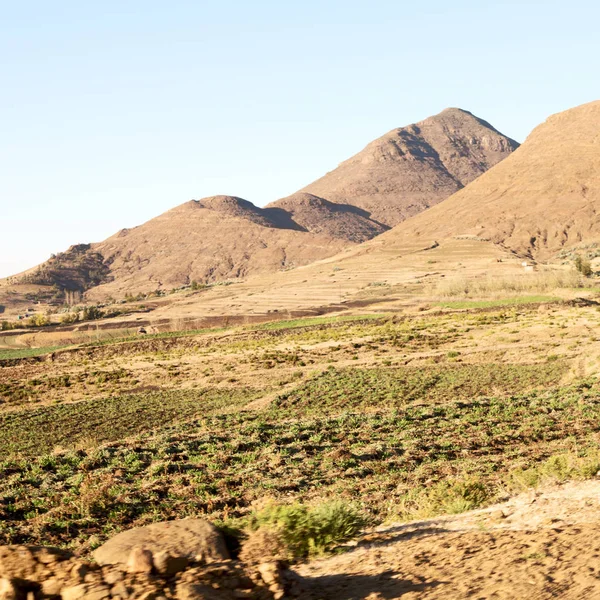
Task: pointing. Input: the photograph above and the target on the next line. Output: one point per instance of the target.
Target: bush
(7, 326)
(309, 531)
(38, 321)
(583, 265)
(558, 468)
(69, 318)
(91, 313)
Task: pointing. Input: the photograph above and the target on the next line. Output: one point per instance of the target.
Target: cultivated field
(437, 409)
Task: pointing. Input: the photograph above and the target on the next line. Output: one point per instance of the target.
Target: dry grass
(539, 282)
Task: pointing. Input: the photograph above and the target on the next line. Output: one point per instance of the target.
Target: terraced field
(404, 415)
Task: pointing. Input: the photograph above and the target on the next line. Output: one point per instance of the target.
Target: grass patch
(519, 300)
(92, 422)
(6, 354)
(309, 530)
(312, 321)
(335, 390)
(153, 336)
(539, 282)
(556, 469)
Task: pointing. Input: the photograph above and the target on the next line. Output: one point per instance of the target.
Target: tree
(91, 313)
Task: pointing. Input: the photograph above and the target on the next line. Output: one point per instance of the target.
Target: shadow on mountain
(282, 219)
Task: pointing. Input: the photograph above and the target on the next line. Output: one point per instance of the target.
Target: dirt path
(537, 546)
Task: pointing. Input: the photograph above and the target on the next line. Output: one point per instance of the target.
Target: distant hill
(209, 240)
(412, 168)
(226, 237)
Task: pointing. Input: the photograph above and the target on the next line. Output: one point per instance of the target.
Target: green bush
(558, 468)
(310, 531)
(69, 318)
(91, 313)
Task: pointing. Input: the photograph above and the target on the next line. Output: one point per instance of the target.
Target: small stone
(48, 556)
(269, 572)
(52, 587)
(79, 571)
(119, 589)
(73, 592)
(168, 565)
(8, 591)
(140, 560)
(85, 592)
(113, 576)
(195, 591)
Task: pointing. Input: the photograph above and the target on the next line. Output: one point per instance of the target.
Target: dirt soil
(538, 545)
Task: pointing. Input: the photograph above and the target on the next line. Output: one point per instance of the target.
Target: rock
(119, 589)
(8, 591)
(196, 591)
(85, 592)
(113, 576)
(52, 586)
(79, 571)
(140, 560)
(186, 538)
(280, 580)
(264, 545)
(168, 565)
(26, 562)
(270, 572)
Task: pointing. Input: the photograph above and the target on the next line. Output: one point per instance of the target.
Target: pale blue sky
(112, 112)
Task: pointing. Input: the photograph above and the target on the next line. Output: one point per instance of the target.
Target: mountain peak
(542, 199)
(414, 167)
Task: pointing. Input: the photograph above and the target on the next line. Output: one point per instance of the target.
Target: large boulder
(195, 539)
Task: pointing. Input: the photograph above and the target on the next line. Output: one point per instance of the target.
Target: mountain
(412, 168)
(541, 199)
(226, 237)
(209, 240)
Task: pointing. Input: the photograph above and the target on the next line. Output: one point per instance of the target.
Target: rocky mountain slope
(543, 198)
(412, 168)
(225, 237)
(209, 240)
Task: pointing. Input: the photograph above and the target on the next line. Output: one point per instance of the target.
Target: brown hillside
(318, 215)
(544, 197)
(210, 240)
(226, 237)
(412, 168)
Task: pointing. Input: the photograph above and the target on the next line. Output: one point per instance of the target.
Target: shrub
(91, 313)
(309, 531)
(69, 318)
(583, 265)
(38, 321)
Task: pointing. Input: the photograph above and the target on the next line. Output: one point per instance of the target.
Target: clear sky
(112, 112)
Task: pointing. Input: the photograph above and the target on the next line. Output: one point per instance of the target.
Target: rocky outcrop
(181, 560)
